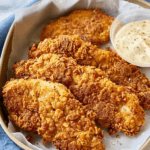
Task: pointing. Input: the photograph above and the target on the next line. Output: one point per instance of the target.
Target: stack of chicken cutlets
(69, 84)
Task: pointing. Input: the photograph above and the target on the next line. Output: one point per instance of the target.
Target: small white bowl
(132, 15)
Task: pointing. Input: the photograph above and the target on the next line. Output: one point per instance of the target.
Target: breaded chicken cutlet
(115, 108)
(50, 110)
(91, 25)
(117, 69)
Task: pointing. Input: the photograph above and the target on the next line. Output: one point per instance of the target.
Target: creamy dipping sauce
(133, 41)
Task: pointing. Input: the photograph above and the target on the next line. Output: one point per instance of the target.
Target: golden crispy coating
(91, 25)
(115, 108)
(51, 110)
(118, 70)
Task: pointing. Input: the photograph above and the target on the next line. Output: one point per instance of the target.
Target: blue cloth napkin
(8, 8)
(6, 143)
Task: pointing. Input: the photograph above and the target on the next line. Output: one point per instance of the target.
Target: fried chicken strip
(115, 108)
(50, 109)
(118, 70)
(91, 25)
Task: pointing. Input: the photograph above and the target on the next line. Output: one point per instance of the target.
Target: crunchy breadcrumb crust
(91, 25)
(51, 110)
(115, 108)
(118, 70)
(29, 138)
